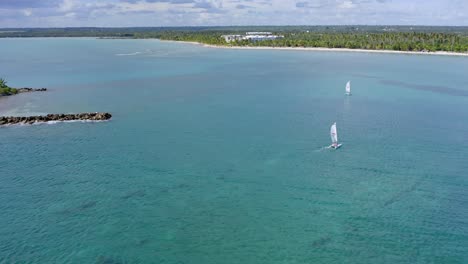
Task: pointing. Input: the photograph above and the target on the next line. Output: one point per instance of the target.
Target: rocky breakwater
(11, 120)
(28, 90)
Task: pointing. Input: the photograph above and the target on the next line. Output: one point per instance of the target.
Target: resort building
(252, 36)
(230, 38)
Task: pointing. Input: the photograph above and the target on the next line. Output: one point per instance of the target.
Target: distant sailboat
(348, 88)
(334, 137)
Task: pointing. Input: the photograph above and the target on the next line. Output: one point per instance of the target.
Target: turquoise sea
(217, 155)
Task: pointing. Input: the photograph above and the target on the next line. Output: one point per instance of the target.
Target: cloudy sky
(113, 13)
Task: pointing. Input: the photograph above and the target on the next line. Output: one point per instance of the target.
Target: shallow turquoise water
(216, 156)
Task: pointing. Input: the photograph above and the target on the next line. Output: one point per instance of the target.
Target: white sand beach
(438, 53)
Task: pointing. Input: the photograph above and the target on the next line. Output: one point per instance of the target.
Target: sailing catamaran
(348, 88)
(334, 137)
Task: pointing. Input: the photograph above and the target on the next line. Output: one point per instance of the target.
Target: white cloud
(230, 12)
(346, 4)
(67, 5)
(27, 12)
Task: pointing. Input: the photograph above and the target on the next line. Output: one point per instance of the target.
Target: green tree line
(5, 89)
(400, 38)
(400, 41)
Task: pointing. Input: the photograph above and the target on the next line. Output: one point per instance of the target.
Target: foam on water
(53, 123)
(70, 121)
(129, 54)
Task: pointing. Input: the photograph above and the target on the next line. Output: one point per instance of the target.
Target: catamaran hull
(336, 146)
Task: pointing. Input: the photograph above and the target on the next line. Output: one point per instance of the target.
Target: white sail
(348, 87)
(334, 134)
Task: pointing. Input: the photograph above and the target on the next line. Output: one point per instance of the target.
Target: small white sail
(334, 134)
(348, 88)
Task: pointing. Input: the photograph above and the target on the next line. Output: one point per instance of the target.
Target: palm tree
(3, 83)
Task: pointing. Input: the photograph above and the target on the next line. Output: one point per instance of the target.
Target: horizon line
(224, 26)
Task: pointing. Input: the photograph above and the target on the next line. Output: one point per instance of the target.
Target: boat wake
(128, 54)
(323, 148)
(53, 123)
(67, 121)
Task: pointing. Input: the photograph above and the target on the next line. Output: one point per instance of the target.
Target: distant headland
(440, 40)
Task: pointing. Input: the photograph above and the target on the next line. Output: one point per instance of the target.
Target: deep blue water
(216, 156)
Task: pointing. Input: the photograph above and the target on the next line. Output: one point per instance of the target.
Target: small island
(5, 90)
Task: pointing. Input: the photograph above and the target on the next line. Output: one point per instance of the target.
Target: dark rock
(6, 120)
(27, 90)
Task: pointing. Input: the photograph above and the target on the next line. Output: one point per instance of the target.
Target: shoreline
(321, 49)
(436, 53)
(23, 90)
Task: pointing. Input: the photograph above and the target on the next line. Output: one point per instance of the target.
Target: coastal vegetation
(398, 38)
(398, 41)
(5, 89)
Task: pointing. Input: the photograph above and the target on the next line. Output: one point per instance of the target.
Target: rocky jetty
(27, 90)
(13, 91)
(11, 120)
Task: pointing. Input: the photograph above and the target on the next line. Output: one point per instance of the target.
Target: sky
(126, 13)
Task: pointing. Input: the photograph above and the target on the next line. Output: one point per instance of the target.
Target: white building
(230, 38)
(261, 37)
(252, 36)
